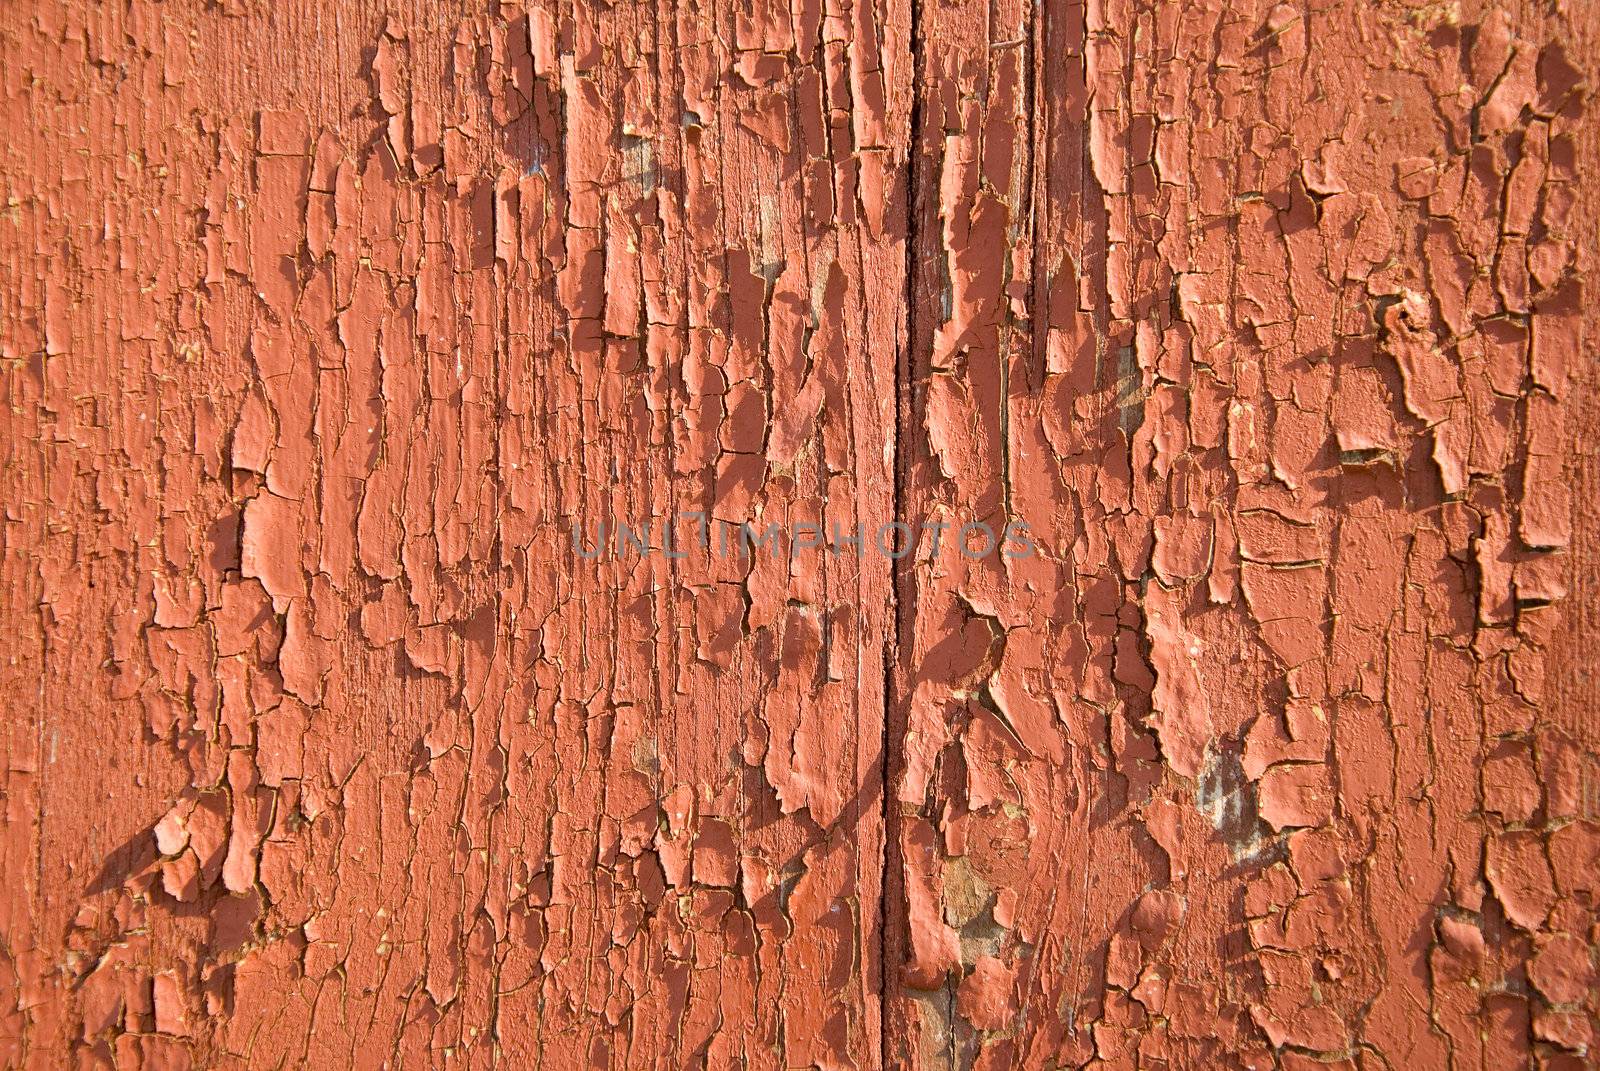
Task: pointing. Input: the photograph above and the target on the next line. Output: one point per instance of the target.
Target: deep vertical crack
(890, 887)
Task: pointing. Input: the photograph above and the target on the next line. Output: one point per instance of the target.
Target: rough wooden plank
(323, 326)
(1226, 363)
(1267, 320)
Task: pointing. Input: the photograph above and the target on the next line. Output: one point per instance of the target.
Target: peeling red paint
(324, 325)
(1243, 310)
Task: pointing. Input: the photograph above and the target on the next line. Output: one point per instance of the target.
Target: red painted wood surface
(919, 534)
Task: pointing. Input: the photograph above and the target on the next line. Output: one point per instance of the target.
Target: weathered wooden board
(914, 534)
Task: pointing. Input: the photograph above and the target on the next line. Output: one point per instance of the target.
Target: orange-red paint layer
(323, 325)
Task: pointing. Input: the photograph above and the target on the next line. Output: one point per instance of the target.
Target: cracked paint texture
(1270, 320)
(322, 323)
